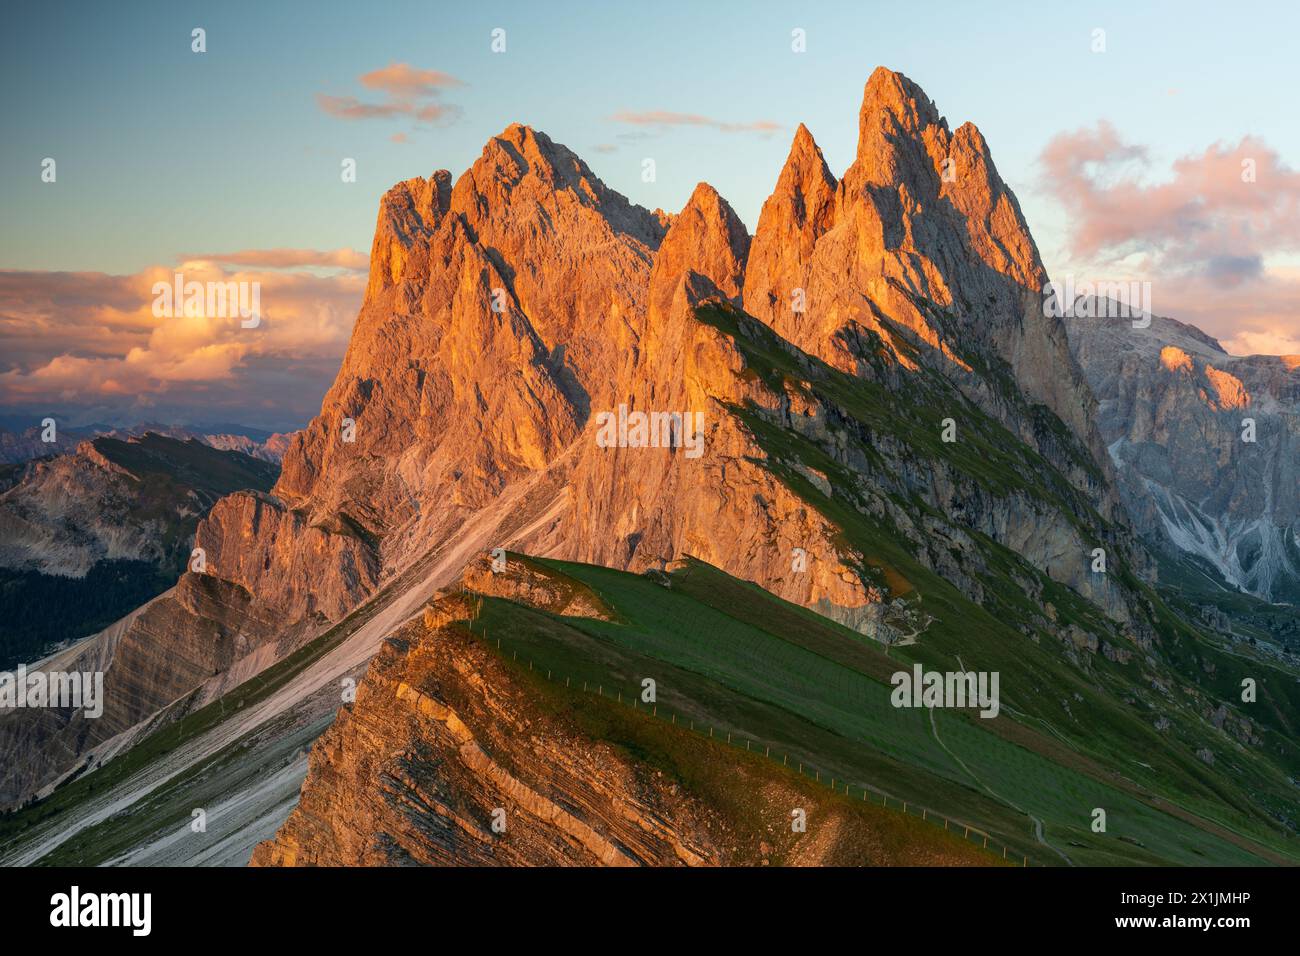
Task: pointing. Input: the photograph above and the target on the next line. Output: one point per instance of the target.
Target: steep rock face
(639, 507)
(919, 259)
(924, 247)
(474, 362)
(244, 537)
(798, 213)
(1173, 406)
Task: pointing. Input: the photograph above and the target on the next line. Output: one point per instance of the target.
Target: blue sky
(162, 151)
(165, 155)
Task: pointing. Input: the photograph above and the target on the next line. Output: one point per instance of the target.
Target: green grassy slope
(728, 656)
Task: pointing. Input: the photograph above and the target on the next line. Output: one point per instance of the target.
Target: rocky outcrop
(1206, 444)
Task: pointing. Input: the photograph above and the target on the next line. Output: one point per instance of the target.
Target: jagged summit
(892, 101)
(800, 210)
(706, 237)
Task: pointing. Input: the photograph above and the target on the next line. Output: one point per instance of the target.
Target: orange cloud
(404, 81)
(410, 92)
(666, 118)
(289, 258)
(349, 107)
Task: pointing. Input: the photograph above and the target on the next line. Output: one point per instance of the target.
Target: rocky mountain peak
(800, 210)
(511, 312)
(409, 213)
(892, 103)
(525, 166)
(706, 237)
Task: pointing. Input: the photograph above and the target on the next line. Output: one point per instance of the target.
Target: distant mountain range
(21, 439)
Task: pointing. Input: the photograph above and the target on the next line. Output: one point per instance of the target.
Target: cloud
(664, 119)
(404, 81)
(350, 108)
(289, 258)
(1210, 232)
(410, 92)
(1264, 343)
(91, 343)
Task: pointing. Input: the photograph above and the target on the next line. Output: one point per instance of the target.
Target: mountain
(20, 445)
(23, 442)
(509, 724)
(1200, 481)
(271, 448)
(905, 470)
(88, 536)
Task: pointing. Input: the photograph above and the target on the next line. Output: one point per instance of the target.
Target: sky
(1126, 160)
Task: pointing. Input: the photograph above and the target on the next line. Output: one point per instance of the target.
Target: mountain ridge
(505, 311)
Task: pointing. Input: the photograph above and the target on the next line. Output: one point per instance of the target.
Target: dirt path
(1038, 824)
